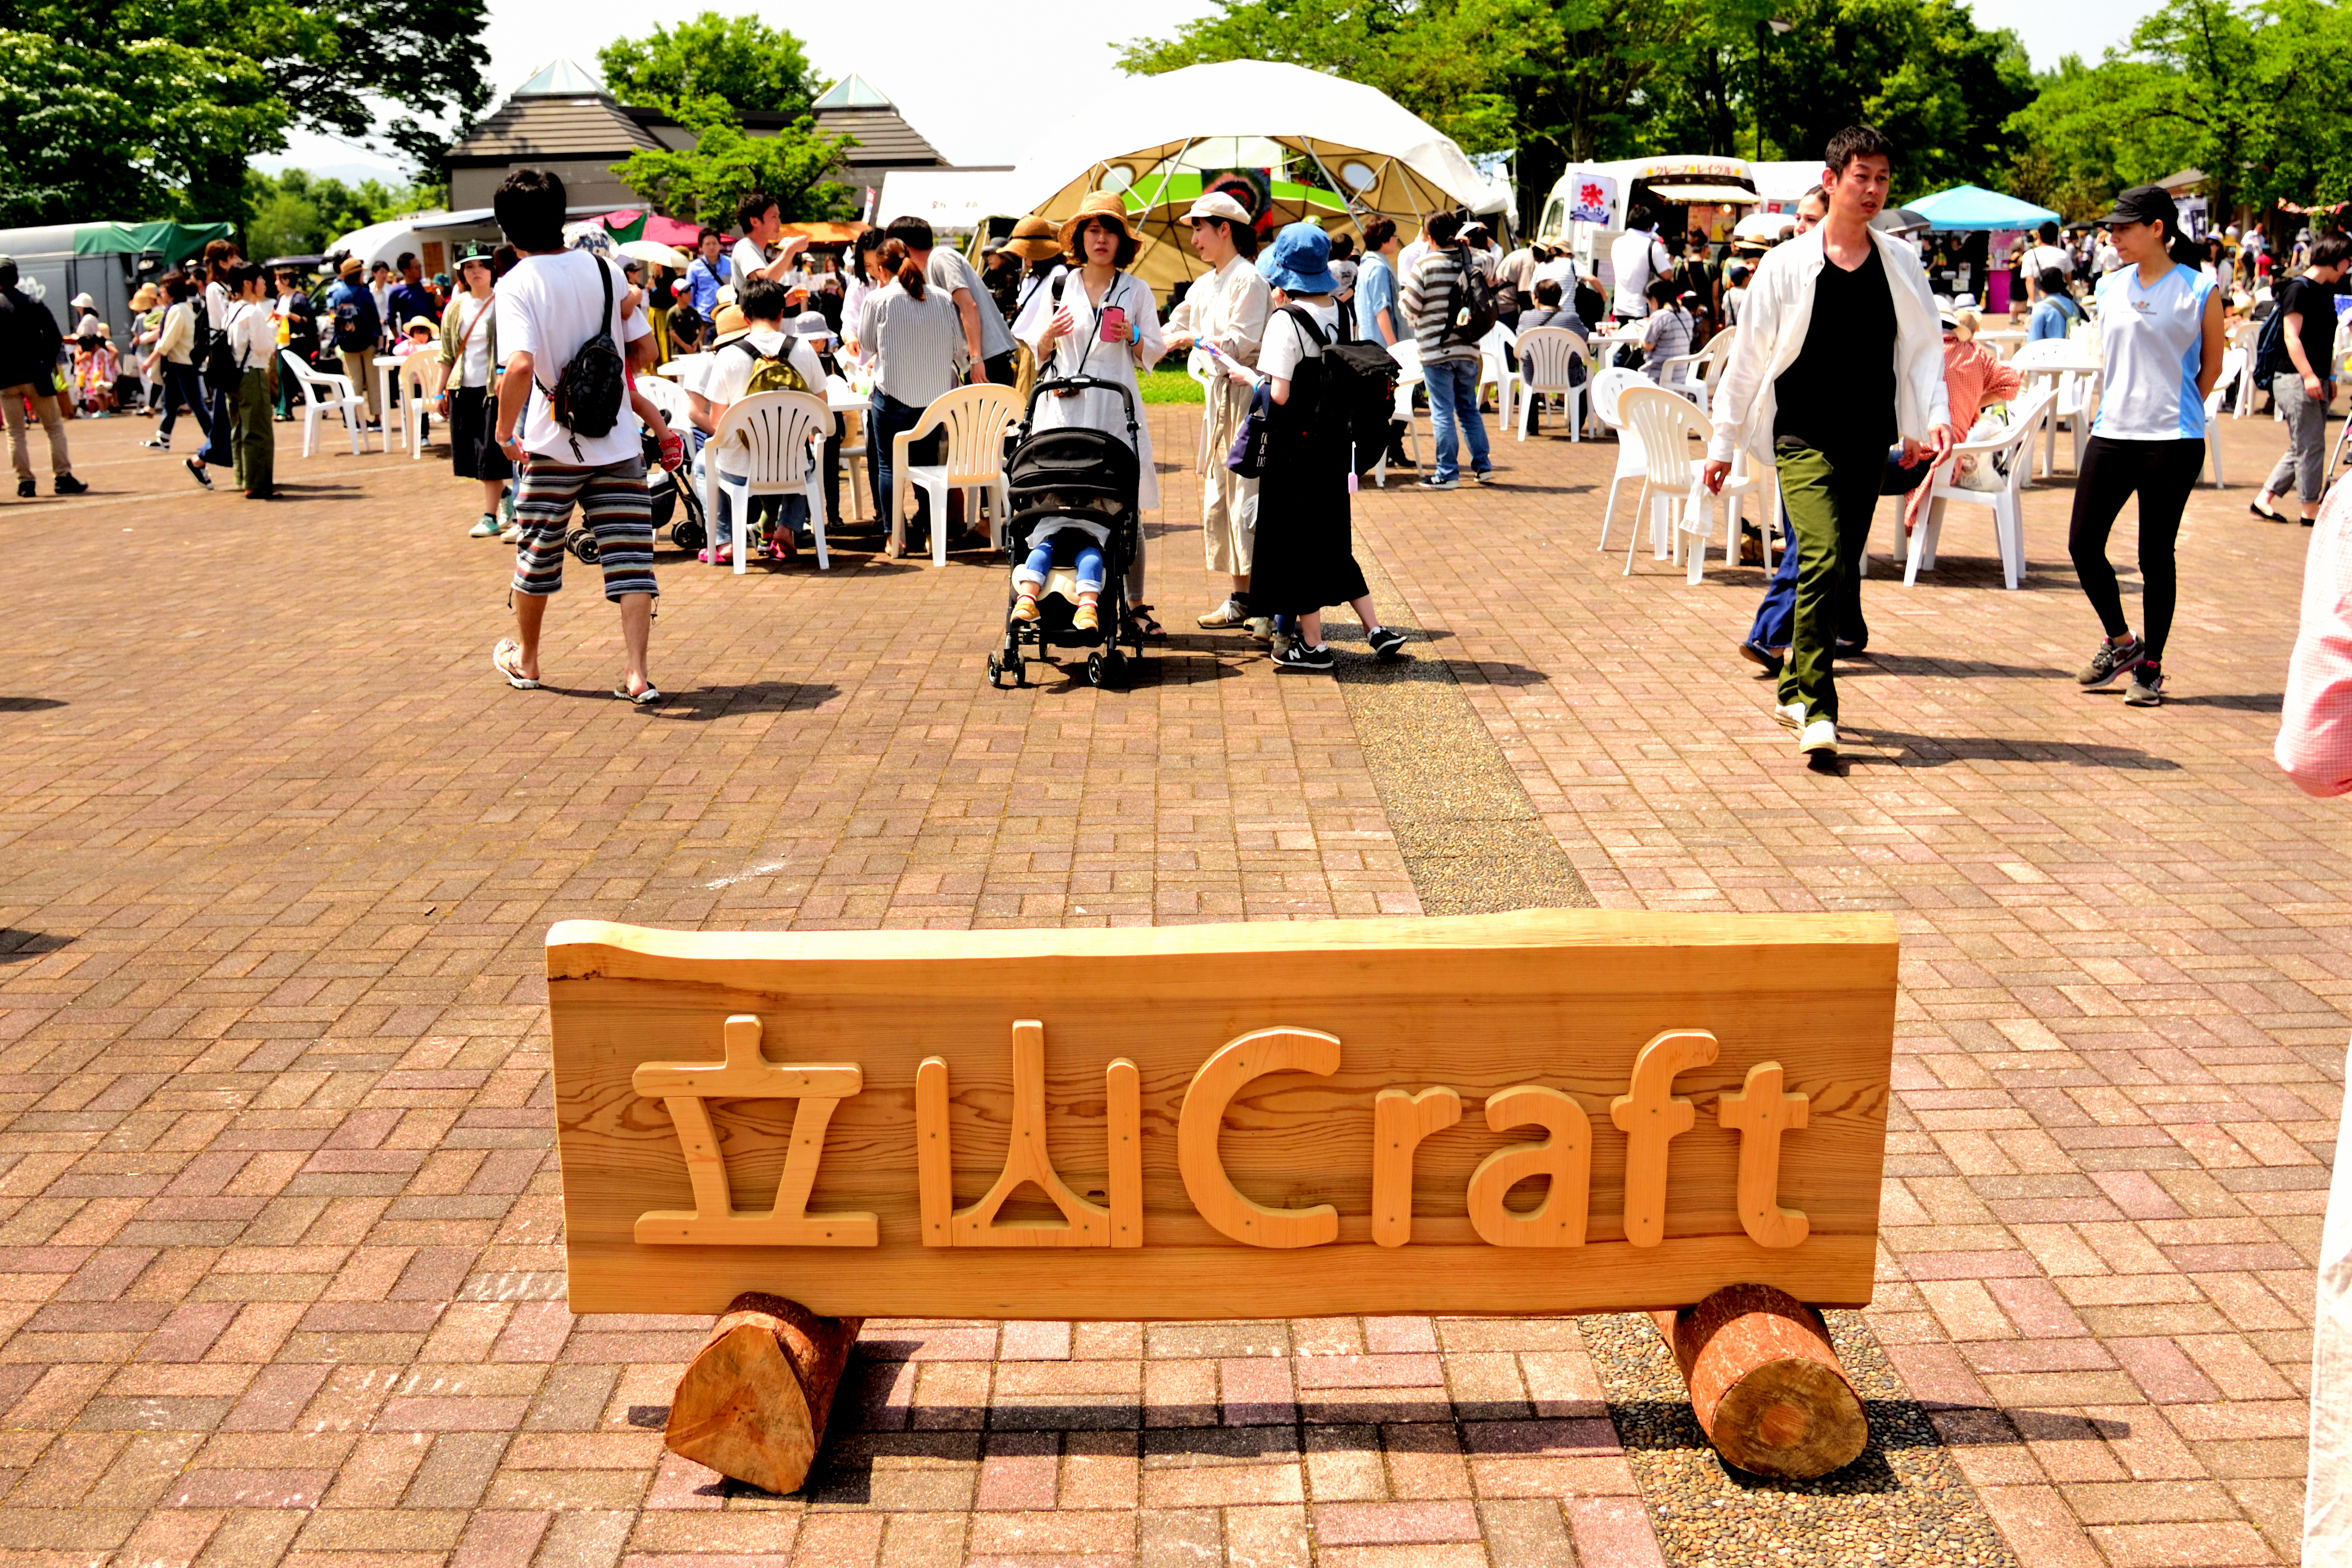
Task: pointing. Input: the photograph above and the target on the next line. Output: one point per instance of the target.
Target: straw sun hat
(1101, 204)
(1034, 239)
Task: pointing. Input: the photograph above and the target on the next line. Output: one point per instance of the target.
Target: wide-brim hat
(145, 298)
(350, 268)
(812, 324)
(1033, 239)
(1100, 204)
(1300, 261)
(1216, 204)
(729, 323)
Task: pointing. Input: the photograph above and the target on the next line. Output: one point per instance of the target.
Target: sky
(963, 84)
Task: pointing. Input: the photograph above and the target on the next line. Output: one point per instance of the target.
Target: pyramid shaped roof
(560, 78)
(853, 92)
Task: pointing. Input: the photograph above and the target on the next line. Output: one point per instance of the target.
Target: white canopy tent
(1331, 148)
(952, 201)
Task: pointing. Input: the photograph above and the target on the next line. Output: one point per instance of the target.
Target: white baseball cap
(1216, 204)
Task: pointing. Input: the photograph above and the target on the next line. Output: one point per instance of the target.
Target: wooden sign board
(1549, 1111)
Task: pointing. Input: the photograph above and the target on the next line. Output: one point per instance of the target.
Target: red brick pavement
(278, 1233)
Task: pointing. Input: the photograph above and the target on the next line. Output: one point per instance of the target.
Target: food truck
(1692, 195)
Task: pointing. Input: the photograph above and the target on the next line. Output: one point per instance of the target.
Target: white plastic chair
(321, 394)
(419, 380)
(1664, 423)
(670, 398)
(1606, 387)
(1406, 351)
(1712, 362)
(1546, 356)
(1685, 374)
(2233, 365)
(2248, 336)
(975, 419)
(775, 437)
(2009, 448)
(1494, 370)
(2076, 393)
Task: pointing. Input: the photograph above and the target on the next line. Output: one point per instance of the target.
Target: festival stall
(1310, 144)
(1972, 230)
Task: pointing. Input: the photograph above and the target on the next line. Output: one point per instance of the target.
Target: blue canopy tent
(1975, 208)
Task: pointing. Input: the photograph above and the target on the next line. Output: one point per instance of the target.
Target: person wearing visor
(1226, 321)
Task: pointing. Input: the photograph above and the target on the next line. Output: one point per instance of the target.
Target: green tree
(297, 213)
(755, 68)
(726, 163)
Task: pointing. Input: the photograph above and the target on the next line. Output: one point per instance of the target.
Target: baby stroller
(1056, 475)
(675, 506)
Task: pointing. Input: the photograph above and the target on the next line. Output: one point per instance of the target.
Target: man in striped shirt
(1450, 370)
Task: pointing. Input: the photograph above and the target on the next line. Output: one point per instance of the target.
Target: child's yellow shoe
(1085, 620)
(1026, 610)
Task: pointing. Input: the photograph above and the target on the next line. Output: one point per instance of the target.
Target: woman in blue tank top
(2160, 339)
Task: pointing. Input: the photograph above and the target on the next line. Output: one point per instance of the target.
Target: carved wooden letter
(1761, 1113)
(1083, 1224)
(1213, 1087)
(746, 1074)
(1400, 1122)
(1566, 1157)
(1650, 1115)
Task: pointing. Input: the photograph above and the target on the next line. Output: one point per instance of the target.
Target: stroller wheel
(583, 545)
(688, 534)
(996, 672)
(1108, 671)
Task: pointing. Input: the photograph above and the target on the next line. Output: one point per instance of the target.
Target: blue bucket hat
(1301, 260)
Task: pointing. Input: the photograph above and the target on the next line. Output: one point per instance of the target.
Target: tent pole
(1307, 146)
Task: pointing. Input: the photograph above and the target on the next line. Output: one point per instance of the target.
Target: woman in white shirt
(1099, 322)
(1305, 558)
(908, 331)
(173, 362)
(252, 335)
(470, 364)
(2160, 341)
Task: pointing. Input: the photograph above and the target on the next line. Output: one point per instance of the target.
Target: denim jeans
(1075, 549)
(722, 522)
(182, 386)
(887, 418)
(1453, 399)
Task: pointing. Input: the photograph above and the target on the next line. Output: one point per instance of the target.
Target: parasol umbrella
(1329, 148)
(654, 253)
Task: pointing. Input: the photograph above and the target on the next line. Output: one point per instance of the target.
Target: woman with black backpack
(1305, 557)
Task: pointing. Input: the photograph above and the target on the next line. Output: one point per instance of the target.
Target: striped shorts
(612, 503)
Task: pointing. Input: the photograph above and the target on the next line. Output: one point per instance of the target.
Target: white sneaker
(1820, 738)
(1791, 714)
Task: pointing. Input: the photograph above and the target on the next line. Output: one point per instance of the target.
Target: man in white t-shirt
(986, 352)
(1635, 257)
(727, 379)
(549, 306)
(2045, 253)
(763, 227)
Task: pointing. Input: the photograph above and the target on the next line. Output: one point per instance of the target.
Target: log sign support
(1766, 1384)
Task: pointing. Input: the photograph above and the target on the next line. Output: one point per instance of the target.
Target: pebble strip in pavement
(1904, 1504)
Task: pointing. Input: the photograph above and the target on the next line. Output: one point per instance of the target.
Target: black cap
(2145, 204)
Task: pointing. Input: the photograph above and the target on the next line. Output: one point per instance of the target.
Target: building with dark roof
(563, 119)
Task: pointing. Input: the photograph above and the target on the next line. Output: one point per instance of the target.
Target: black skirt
(1305, 557)
(474, 436)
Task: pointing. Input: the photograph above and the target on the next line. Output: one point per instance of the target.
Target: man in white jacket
(1840, 353)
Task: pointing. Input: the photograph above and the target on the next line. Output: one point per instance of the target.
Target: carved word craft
(1549, 1111)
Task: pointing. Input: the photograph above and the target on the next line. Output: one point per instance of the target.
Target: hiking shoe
(1225, 617)
(486, 529)
(1388, 643)
(2111, 662)
(66, 485)
(1757, 653)
(1435, 483)
(1304, 659)
(1820, 739)
(2146, 689)
(1791, 715)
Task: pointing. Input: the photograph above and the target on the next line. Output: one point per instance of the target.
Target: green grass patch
(1169, 386)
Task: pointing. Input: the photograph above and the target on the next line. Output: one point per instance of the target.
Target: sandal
(1141, 615)
(645, 698)
(507, 658)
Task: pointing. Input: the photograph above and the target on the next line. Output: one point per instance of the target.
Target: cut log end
(753, 1402)
(1764, 1382)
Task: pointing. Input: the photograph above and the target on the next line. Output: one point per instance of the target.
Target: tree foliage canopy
(138, 108)
(753, 67)
(297, 213)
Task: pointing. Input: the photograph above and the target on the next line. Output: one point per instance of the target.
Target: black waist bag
(588, 395)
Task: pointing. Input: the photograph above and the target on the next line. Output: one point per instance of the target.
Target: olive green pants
(1829, 500)
(253, 438)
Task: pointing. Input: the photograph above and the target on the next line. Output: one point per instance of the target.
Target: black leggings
(2163, 472)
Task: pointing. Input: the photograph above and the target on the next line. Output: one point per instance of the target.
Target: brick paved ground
(279, 1232)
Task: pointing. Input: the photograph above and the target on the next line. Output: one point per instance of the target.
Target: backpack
(351, 327)
(770, 373)
(586, 399)
(1592, 305)
(1355, 394)
(2270, 349)
(216, 361)
(1472, 308)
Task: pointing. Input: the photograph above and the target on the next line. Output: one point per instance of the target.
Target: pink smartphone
(1114, 325)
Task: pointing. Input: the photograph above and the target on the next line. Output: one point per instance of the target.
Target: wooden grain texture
(1651, 1115)
(752, 1403)
(1764, 1382)
(1561, 1001)
(1400, 1122)
(1761, 1113)
(1564, 1160)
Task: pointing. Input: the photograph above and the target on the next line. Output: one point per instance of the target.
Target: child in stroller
(1070, 537)
(1066, 541)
